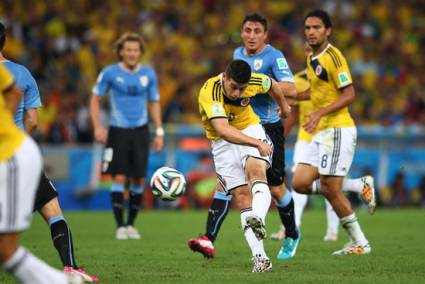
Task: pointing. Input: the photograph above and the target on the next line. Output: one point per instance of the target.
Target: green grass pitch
(162, 256)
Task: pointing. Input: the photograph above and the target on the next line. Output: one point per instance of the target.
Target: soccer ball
(168, 183)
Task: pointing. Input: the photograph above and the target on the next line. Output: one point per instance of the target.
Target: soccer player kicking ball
(240, 147)
(265, 59)
(330, 153)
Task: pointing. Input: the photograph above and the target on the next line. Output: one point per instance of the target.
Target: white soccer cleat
(121, 233)
(261, 264)
(133, 233)
(354, 249)
(368, 193)
(257, 226)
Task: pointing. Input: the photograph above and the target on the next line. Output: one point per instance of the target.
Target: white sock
(29, 269)
(261, 199)
(300, 201)
(315, 187)
(332, 220)
(257, 247)
(352, 227)
(353, 185)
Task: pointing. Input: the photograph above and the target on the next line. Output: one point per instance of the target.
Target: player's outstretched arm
(278, 95)
(235, 136)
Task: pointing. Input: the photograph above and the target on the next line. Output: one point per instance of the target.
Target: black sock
(117, 199)
(133, 207)
(287, 216)
(216, 215)
(62, 240)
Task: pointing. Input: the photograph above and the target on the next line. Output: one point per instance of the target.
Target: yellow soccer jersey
(10, 135)
(305, 107)
(328, 74)
(214, 104)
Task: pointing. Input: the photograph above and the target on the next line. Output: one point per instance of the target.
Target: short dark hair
(255, 18)
(2, 36)
(239, 71)
(322, 15)
(119, 44)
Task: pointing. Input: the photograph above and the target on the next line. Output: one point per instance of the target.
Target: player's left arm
(341, 76)
(154, 108)
(278, 95)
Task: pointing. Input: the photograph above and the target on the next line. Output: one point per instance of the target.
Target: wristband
(159, 131)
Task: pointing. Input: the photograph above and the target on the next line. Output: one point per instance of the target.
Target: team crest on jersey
(258, 63)
(318, 70)
(245, 102)
(144, 80)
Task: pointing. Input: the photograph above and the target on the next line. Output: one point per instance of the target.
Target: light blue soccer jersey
(270, 62)
(28, 86)
(129, 94)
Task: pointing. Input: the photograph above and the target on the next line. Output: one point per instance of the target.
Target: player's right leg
(18, 183)
(331, 190)
(250, 223)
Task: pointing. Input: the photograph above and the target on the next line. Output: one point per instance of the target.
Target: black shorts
(127, 151)
(45, 192)
(276, 174)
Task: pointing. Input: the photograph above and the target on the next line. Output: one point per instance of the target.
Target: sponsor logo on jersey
(119, 79)
(258, 63)
(343, 77)
(245, 102)
(281, 63)
(217, 109)
(144, 80)
(318, 70)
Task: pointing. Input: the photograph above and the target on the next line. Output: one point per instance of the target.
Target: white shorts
(299, 153)
(19, 178)
(230, 159)
(331, 151)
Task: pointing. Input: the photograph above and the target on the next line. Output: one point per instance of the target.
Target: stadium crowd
(65, 45)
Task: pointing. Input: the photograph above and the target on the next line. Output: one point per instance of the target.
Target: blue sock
(62, 240)
(287, 214)
(117, 199)
(217, 213)
(134, 204)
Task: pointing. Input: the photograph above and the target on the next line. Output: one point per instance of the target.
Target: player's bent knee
(277, 192)
(242, 197)
(51, 209)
